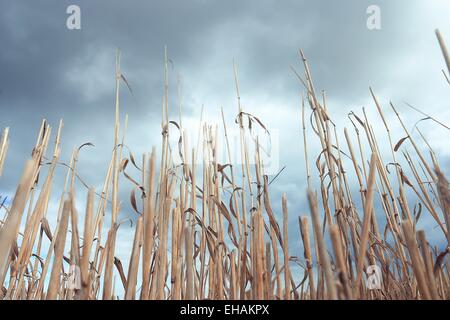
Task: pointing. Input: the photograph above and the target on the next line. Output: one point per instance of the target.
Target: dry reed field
(208, 231)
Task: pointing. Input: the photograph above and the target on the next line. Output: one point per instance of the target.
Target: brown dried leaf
(119, 267)
(399, 143)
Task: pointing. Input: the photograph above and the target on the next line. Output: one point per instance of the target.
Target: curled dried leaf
(405, 179)
(87, 144)
(399, 143)
(133, 201)
(440, 260)
(119, 267)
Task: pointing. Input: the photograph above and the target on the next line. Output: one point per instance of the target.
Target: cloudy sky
(48, 71)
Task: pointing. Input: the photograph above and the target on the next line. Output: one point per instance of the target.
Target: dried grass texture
(210, 231)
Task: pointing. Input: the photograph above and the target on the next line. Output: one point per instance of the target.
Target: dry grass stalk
(4, 142)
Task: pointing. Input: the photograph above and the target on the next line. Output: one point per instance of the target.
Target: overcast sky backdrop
(48, 71)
